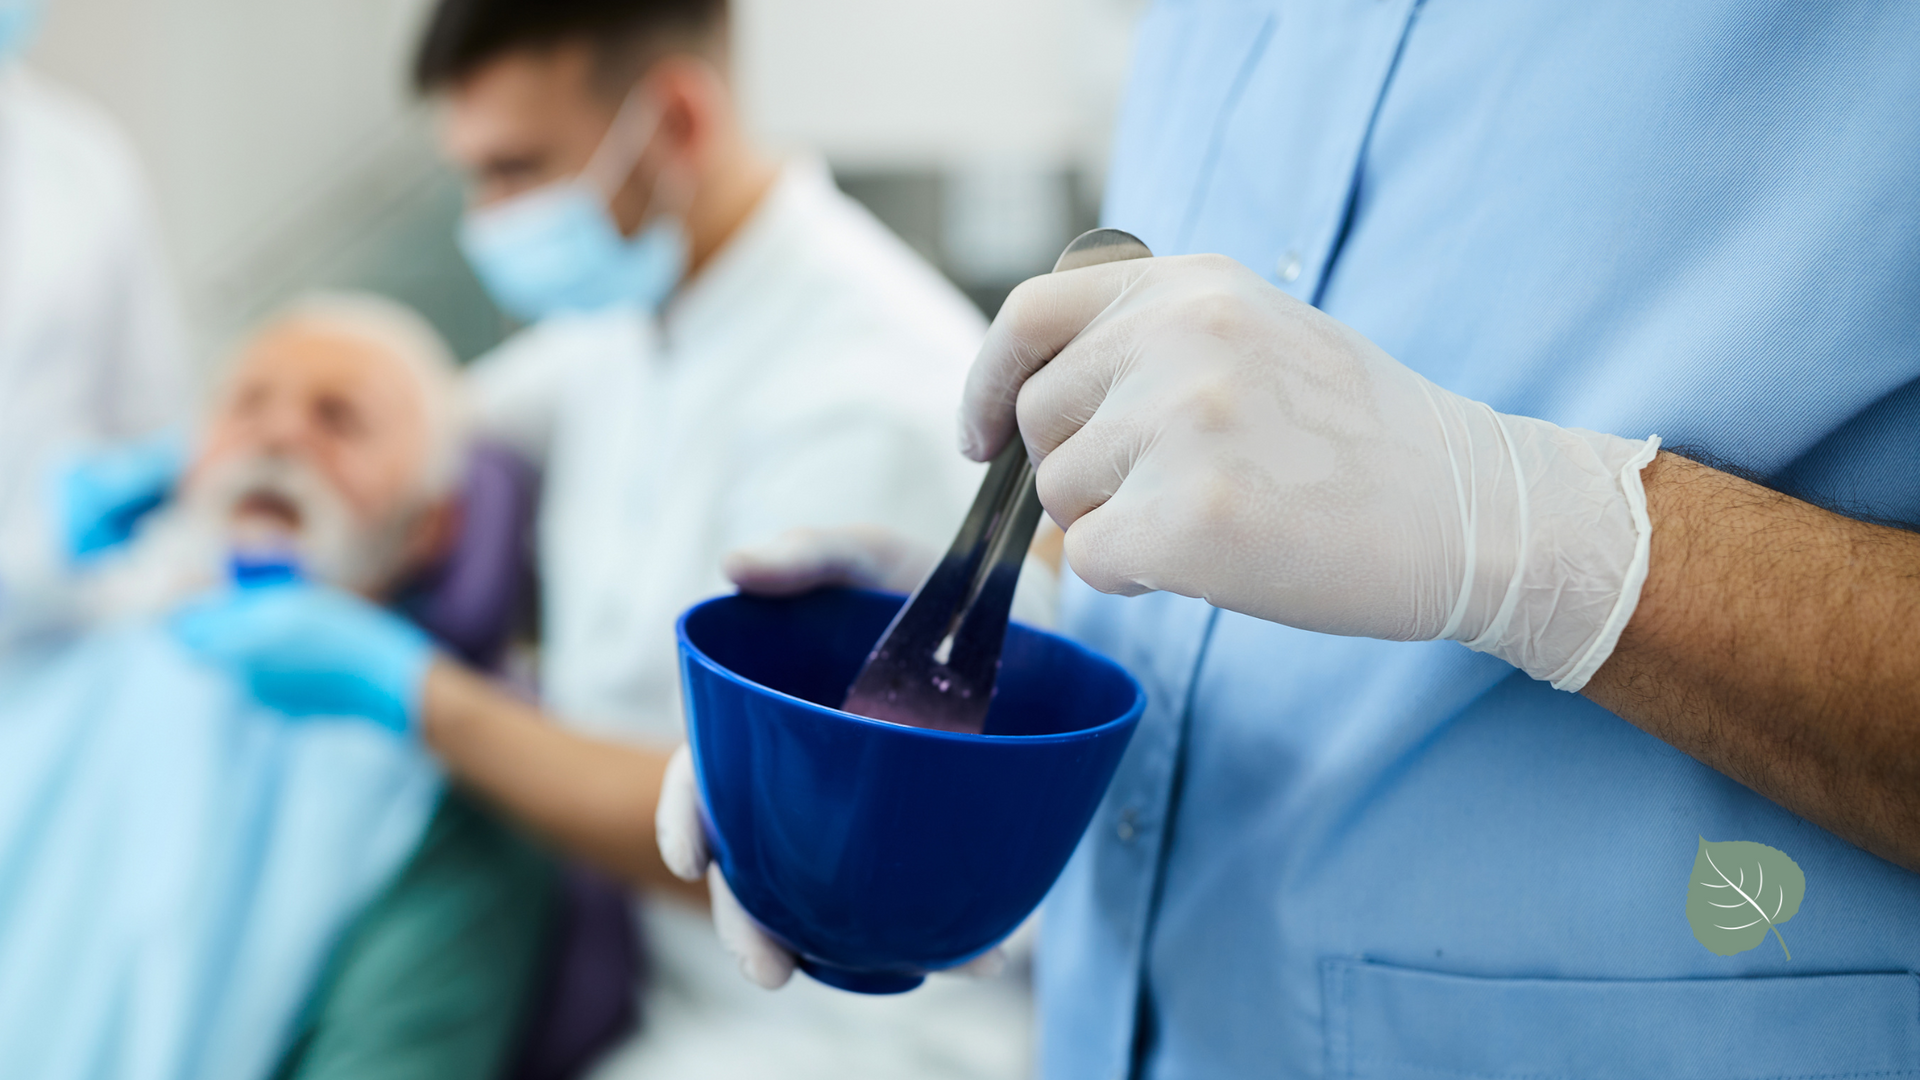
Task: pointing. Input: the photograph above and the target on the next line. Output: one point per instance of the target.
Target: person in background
(91, 340)
(722, 348)
(204, 887)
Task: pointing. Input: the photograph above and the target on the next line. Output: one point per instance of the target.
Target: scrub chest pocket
(1393, 1023)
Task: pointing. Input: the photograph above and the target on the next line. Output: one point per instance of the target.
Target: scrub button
(1125, 830)
(1290, 267)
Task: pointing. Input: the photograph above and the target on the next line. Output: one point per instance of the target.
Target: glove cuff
(1573, 675)
(397, 678)
(1568, 534)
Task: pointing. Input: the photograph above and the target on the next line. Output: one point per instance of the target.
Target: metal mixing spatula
(935, 666)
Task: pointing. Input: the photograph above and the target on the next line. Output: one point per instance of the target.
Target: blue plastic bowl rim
(1130, 715)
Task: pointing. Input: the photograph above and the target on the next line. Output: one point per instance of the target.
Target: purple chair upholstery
(472, 600)
(471, 603)
(590, 1001)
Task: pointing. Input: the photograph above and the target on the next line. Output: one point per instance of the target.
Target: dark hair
(465, 35)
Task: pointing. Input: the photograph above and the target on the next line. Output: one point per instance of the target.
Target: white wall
(268, 126)
(879, 83)
(280, 134)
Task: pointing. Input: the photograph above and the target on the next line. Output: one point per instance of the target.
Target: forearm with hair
(1780, 644)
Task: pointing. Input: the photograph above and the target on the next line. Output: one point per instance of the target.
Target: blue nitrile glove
(309, 650)
(102, 495)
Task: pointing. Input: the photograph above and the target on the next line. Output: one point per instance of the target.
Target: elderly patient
(195, 886)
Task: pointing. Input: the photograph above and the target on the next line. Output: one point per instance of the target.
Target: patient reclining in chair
(195, 886)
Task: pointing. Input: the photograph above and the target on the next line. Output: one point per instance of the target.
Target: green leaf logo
(1739, 891)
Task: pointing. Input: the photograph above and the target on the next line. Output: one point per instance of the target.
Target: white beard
(189, 547)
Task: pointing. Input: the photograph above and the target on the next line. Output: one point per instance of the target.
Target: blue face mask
(18, 20)
(557, 249)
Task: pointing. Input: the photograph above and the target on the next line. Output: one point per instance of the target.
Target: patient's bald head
(336, 432)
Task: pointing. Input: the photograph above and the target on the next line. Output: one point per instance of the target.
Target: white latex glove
(870, 557)
(1201, 432)
(683, 847)
(857, 556)
(861, 557)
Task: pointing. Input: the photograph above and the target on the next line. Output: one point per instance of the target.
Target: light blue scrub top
(1338, 857)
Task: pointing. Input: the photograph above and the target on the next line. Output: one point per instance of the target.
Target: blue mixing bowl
(876, 852)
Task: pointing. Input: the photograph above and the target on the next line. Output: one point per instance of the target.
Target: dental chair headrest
(471, 602)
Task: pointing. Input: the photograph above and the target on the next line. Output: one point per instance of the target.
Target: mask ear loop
(672, 193)
(624, 144)
(620, 152)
